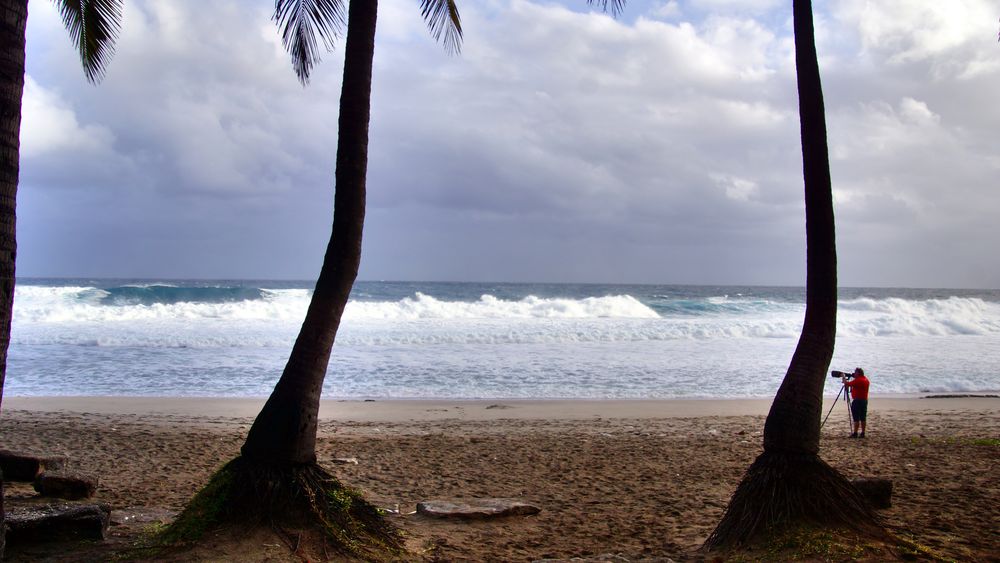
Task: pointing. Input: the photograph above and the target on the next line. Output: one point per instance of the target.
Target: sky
(561, 145)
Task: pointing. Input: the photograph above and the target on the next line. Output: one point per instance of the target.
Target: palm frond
(93, 26)
(616, 5)
(444, 22)
(300, 22)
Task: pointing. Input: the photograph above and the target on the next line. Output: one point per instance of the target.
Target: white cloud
(666, 10)
(752, 6)
(736, 188)
(49, 124)
(917, 112)
(952, 36)
(879, 129)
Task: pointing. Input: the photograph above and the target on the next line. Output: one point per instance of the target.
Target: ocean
(408, 340)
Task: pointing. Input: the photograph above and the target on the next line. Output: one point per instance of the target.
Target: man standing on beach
(857, 384)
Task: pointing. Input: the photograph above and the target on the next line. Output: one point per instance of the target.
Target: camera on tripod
(841, 374)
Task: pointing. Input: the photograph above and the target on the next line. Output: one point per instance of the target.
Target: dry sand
(640, 478)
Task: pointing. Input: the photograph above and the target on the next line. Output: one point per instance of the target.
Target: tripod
(847, 399)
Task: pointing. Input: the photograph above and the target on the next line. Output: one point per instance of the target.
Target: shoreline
(415, 410)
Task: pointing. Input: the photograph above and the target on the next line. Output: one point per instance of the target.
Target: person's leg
(862, 415)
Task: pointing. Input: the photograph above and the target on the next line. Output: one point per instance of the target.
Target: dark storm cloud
(561, 145)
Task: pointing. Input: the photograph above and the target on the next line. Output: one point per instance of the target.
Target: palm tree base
(248, 493)
(782, 491)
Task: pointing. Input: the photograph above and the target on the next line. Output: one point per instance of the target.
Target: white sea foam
(77, 304)
(489, 307)
(931, 317)
(77, 315)
(234, 340)
(56, 305)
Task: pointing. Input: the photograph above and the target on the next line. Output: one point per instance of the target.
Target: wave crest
(489, 307)
(257, 317)
(88, 304)
(930, 317)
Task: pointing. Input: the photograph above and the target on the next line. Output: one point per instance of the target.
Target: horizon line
(402, 281)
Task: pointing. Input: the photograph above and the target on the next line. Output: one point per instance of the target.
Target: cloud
(950, 35)
(735, 187)
(562, 144)
(724, 6)
(49, 124)
(666, 10)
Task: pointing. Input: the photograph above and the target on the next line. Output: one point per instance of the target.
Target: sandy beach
(637, 478)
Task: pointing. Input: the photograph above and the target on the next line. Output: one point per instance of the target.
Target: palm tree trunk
(13, 18)
(788, 484)
(285, 429)
(277, 479)
(794, 420)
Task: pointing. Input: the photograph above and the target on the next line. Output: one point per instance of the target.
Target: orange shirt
(859, 387)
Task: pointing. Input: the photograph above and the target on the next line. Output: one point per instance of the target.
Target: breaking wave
(159, 315)
(422, 340)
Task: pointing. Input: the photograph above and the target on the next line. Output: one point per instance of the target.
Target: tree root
(305, 496)
(783, 490)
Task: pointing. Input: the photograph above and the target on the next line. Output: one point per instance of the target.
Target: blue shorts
(859, 410)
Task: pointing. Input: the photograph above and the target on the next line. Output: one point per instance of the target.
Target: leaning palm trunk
(285, 430)
(13, 18)
(277, 479)
(788, 484)
(93, 26)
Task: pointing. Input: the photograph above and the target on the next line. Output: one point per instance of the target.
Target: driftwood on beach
(53, 522)
(20, 466)
(70, 485)
(476, 509)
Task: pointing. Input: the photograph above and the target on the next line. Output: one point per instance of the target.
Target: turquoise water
(476, 340)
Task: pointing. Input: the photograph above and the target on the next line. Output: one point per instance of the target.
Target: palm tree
(277, 476)
(93, 26)
(788, 483)
(286, 427)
